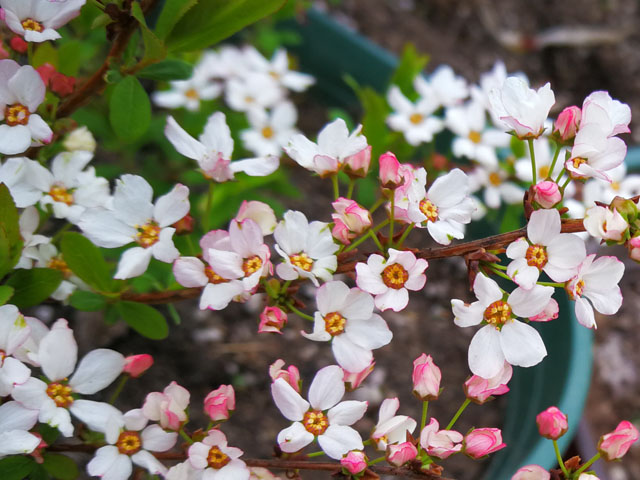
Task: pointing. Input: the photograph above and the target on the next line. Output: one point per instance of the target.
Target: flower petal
(96, 371)
(289, 402)
(327, 388)
(522, 344)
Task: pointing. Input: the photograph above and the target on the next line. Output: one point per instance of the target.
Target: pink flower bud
(18, 44)
(272, 320)
(401, 453)
(605, 224)
(259, 212)
(357, 165)
(167, 407)
(390, 175)
(184, 226)
(426, 378)
(549, 313)
(634, 248)
(568, 123)
(350, 219)
(353, 380)
(354, 462)
(136, 365)
(219, 403)
(615, 445)
(531, 472)
(482, 441)
(479, 389)
(552, 423)
(291, 375)
(440, 443)
(547, 193)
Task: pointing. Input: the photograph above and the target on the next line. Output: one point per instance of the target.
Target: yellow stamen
(429, 210)
(61, 194)
(148, 234)
(315, 422)
(31, 24)
(251, 265)
(475, 137)
(267, 132)
(395, 276)
(416, 118)
(334, 323)
(302, 260)
(536, 256)
(216, 459)
(60, 394)
(16, 114)
(129, 442)
(498, 313)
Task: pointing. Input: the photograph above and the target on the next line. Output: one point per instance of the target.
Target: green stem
(377, 204)
(118, 390)
(559, 457)
(375, 239)
(207, 214)
(551, 284)
(186, 437)
(560, 175)
(285, 286)
(192, 248)
(534, 170)
(298, 312)
(336, 187)
(555, 159)
(405, 234)
(500, 273)
(315, 454)
(498, 266)
(377, 460)
(391, 219)
(564, 185)
(351, 185)
(586, 465)
(357, 242)
(423, 421)
(453, 421)
(379, 226)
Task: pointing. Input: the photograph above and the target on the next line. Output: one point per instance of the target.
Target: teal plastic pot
(329, 51)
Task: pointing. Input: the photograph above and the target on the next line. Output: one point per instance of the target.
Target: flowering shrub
(67, 237)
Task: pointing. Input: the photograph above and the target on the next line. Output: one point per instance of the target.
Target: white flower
(496, 187)
(278, 69)
(390, 279)
(346, 318)
(557, 254)
(80, 138)
(443, 85)
(605, 224)
(187, 93)
(322, 417)
(415, 120)
(15, 420)
(37, 20)
(213, 151)
(270, 131)
(47, 256)
(21, 92)
(335, 144)
(14, 332)
(599, 105)
(15, 174)
(503, 337)
(216, 459)
(253, 90)
(29, 222)
(135, 219)
(521, 108)
(307, 248)
(594, 153)
(131, 444)
(391, 428)
(596, 281)
(622, 185)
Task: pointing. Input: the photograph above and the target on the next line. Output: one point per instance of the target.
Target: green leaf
(519, 147)
(211, 21)
(45, 53)
(10, 239)
(167, 70)
(33, 286)
(154, 48)
(87, 301)
(87, 262)
(374, 125)
(129, 109)
(145, 320)
(16, 467)
(172, 11)
(5, 293)
(411, 65)
(60, 467)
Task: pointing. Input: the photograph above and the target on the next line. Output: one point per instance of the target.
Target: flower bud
(390, 174)
(615, 445)
(426, 378)
(482, 441)
(440, 443)
(401, 453)
(550, 312)
(272, 320)
(291, 375)
(18, 44)
(634, 248)
(357, 165)
(479, 389)
(80, 139)
(184, 226)
(567, 123)
(546, 194)
(552, 423)
(167, 407)
(259, 212)
(531, 472)
(136, 365)
(219, 403)
(605, 224)
(350, 219)
(353, 380)
(354, 462)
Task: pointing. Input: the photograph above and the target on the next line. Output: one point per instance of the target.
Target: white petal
(96, 371)
(522, 344)
(371, 333)
(584, 313)
(351, 357)
(288, 401)
(99, 416)
(184, 143)
(392, 299)
(543, 226)
(133, 263)
(347, 413)
(109, 464)
(294, 438)
(256, 167)
(132, 200)
(528, 303)
(149, 462)
(217, 297)
(467, 315)
(58, 352)
(189, 272)
(15, 442)
(105, 230)
(486, 289)
(172, 207)
(155, 439)
(327, 388)
(337, 440)
(331, 297)
(485, 353)
(164, 249)
(15, 416)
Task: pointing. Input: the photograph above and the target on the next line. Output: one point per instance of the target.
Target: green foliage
(16, 467)
(60, 467)
(172, 12)
(5, 293)
(33, 286)
(210, 21)
(45, 53)
(166, 70)
(411, 65)
(154, 48)
(129, 109)
(145, 320)
(86, 261)
(87, 301)
(10, 239)
(519, 147)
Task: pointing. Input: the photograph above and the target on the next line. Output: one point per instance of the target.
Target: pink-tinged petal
(487, 290)
(164, 249)
(518, 248)
(149, 462)
(217, 297)
(16, 442)
(189, 272)
(96, 371)
(337, 440)
(40, 130)
(605, 302)
(467, 315)
(133, 263)
(172, 207)
(246, 237)
(522, 344)
(392, 299)
(327, 388)
(109, 464)
(347, 413)
(256, 167)
(99, 416)
(351, 357)
(289, 402)
(584, 313)
(485, 352)
(15, 416)
(331, 297)
(184, 143)
(294, 438)
(14, 140)
(543, 226)
(226, 263)
(368, 280)
(155, 439)
(58, 351)
(529, 303)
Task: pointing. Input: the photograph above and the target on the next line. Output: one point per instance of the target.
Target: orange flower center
(191, 94)
(148, 234)
(536, 256)
(60, 394)
(217, 459)
(58, 263)
(302, 261)
(16, 114)
(129, 442)
(315, 422)
(267, 132)
(475, 137)
(543, 172)
(416, 118)
(576, 291)
(61, 194)
(213, 276)
(31, 24)
(498, 313)
(334, 323)
(429, 210)
(494, 179)
(395, 276)
(251, 265)
(578, 161)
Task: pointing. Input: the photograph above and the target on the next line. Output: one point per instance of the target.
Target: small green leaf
(5, 293)
(49, 433)
(518, 147)
(145, 320)
(60, 467)
(87, 262)
(411, 65)
(172, 11)
(87, 301)
(45, 53)
(16, 467)
(154, 48)
(33, 286)
(374, 125)
(10, 239)
(167, 70)
(129, 109)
